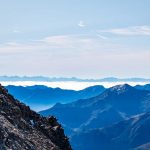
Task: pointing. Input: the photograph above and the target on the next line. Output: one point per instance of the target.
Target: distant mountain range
(54, 79)
(41, 97)
(83, 119)
(38, 97)
(117, 118)
(113, 105)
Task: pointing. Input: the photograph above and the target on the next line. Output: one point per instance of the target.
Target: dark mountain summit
(24, 129)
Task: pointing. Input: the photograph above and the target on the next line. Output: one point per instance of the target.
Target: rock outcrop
(24, 129)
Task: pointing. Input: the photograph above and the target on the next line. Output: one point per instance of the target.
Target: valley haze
(69, 83)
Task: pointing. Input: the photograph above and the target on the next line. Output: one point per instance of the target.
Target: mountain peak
(121, 88)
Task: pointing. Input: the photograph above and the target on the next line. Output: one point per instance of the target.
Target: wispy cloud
(58, 43)
(16, 31)
(102, 37)
(80, 54)
(129, 31)
(82, 42)
(81, 24)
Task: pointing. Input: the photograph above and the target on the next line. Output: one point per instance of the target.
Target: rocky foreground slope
(24, 129)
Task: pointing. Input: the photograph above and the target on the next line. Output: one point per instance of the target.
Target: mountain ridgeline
(117, 118)
(107, 119)
(63, 79)
(24, 129)
(38, 95)
(143, 87)
(113, 105)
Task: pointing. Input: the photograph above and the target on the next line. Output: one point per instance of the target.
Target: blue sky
(87, 39)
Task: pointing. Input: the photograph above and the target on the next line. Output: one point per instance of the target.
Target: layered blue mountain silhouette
(58, 79)
(39, 95)
(87, 121)
(143, 87)
(96, 118)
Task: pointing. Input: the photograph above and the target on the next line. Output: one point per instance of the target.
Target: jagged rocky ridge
(24, 129)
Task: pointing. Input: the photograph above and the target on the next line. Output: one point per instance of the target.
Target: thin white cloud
(11, 44)
(81, 42)
(65, 44)
(72, 55)
(81, 24)
(16, 31)
(102, 37)
(59, 41)
(129, 31)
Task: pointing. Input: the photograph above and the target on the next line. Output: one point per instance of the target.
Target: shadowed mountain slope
(130, 134)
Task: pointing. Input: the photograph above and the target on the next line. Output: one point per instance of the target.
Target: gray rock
(24, 129)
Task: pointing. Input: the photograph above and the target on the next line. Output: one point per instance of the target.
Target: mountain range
(85, 120)
(117, 118)
(143, 87)
(59, 79)
(48, 97)
(113, 105)
(38, 96)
